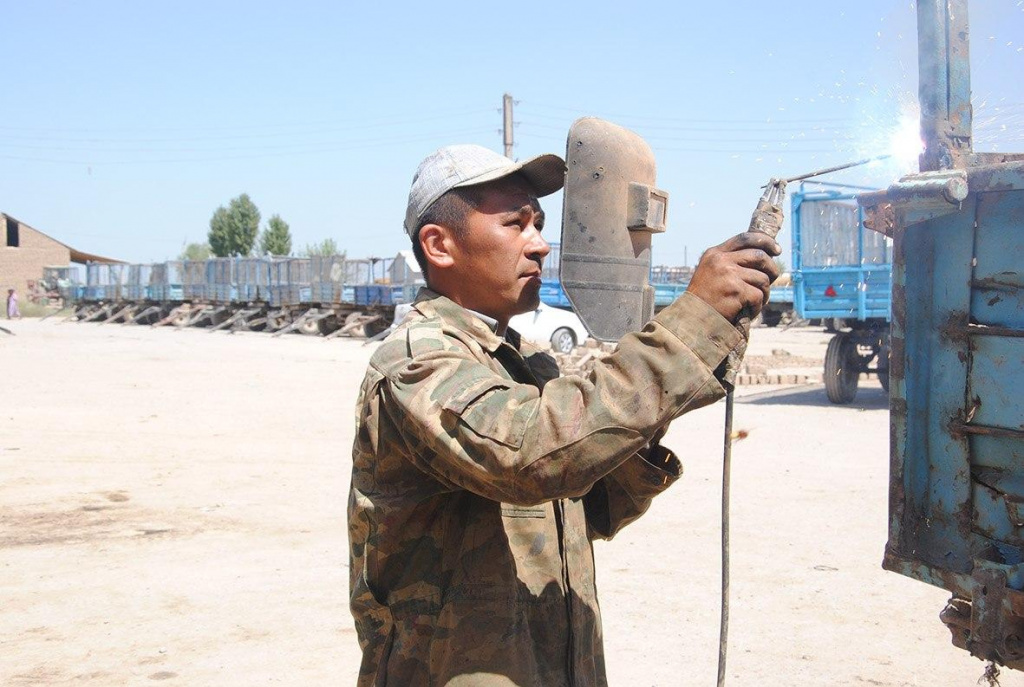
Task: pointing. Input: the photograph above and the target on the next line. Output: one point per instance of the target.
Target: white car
(561, 329)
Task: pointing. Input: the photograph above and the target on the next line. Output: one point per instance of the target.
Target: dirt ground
(172, 510)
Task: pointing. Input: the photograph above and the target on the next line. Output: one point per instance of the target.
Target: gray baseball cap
(468, 165)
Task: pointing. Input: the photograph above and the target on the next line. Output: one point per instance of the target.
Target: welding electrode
(837, 168)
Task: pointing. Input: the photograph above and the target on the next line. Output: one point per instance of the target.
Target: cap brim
(545, 173)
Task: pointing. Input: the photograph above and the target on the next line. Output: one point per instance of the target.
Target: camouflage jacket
(480, 478)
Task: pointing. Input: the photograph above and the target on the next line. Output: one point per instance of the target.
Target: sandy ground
(172, 509)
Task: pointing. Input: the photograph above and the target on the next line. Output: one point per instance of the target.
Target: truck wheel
(842, 368)
(563, 340)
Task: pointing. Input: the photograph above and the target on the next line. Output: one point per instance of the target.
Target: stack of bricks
(748, 378)
(582, 358)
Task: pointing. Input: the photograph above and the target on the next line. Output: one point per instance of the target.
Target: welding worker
(480, 477)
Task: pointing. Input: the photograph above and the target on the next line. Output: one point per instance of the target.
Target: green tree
(325, 247)
(219, 237)
(233, 229)
(276, 238)
(195, 251)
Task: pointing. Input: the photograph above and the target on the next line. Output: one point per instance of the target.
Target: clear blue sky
(126, 124)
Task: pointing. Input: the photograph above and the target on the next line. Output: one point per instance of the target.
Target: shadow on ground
(869, 398)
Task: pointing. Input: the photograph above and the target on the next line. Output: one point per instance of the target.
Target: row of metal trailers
(319, 295)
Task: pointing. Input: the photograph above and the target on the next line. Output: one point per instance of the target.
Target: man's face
(498, 257)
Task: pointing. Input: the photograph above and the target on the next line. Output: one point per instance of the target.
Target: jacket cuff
(702, 329)
(648, 473)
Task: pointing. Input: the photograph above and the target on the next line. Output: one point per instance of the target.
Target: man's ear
(437, 243)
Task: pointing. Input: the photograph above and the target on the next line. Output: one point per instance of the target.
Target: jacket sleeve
(472, 428)
(625, 493)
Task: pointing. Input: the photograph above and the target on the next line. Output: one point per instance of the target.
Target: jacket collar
(431, 304)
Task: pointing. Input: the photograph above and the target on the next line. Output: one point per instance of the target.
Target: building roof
(77, 256)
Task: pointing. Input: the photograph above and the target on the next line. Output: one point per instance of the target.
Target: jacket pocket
(493, 410)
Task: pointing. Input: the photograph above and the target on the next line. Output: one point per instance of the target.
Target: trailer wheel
(842, 368)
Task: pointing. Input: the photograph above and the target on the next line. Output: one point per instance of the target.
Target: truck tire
(842, 369)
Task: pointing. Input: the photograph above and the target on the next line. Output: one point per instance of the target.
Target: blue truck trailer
(320, 294)
(841, 275)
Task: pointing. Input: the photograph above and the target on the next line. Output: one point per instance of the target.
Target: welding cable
(723, 633)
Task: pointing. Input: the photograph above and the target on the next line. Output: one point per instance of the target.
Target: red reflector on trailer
(830, 292)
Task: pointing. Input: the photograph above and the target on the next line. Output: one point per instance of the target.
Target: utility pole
(506, 111)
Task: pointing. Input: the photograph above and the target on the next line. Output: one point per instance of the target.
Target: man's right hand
(736, 276)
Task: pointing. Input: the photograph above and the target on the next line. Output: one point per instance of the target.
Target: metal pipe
(944, 89)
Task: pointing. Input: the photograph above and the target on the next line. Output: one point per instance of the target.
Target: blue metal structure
(956, 513)
(841, 269)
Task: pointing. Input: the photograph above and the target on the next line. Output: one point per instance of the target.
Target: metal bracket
(997, 625)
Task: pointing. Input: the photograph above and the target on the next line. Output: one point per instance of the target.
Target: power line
(687, 120)
(320, 149)
(721, 151)
(655, 127)
(379, 119)
(192, 139)
(284, 146)
(793, 139)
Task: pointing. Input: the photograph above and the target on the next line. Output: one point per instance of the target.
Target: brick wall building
(25, 251)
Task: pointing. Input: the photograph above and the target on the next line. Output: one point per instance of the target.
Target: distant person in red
(12, 305)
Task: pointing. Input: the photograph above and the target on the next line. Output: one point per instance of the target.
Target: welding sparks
(905, 143)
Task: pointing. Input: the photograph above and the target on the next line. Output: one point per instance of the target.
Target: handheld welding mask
(610, 210)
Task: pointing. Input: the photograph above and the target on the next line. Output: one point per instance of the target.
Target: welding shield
(610, 209)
